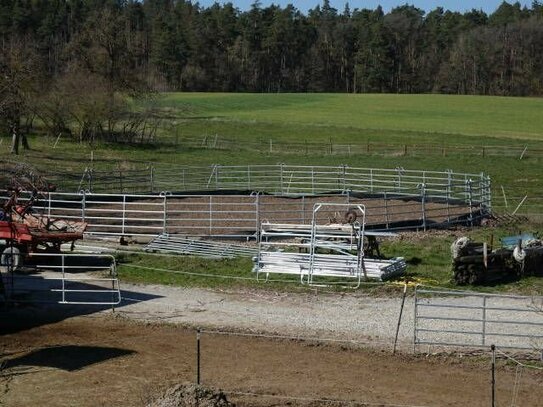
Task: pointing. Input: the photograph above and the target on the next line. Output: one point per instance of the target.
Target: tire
(11, 256)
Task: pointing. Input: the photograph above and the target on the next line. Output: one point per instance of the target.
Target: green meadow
(319, 118)
(395, 120)
(430, 116)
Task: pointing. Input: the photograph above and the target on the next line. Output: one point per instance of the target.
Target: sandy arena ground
(71, 356)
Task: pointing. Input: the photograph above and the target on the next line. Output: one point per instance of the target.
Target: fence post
(303, 209)
(470, 200)
(343, 175)
(63, 278)
(488, 192)
(83, 205)
(400, 318)
(91, 172)
(312, 180)
(399, 169)
(152, 178)
(121, 180)
(124, 215)
(415, 321)
(49, 205)
(484, 321)
(210, 215)
(493, 348)
(164, 217)
(449, 190)
(198, 332)
(257, 216)
(281, 176)
(386, 209)
(423, 204)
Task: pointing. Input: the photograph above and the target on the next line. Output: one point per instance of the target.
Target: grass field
(393, 119)
(356, 117)
(432, 119)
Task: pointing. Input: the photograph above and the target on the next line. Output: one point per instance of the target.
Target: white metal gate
(471, 319)
(64, 279)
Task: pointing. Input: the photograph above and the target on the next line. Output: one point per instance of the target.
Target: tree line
(83, 61)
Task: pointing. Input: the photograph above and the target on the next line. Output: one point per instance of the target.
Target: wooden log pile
(472, 266)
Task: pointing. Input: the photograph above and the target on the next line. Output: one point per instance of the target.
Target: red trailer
(23, 232)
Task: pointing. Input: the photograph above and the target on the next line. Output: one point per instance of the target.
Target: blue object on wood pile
(512, 241)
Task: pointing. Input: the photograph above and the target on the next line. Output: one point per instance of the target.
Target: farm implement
(33, 267)
(23, 232)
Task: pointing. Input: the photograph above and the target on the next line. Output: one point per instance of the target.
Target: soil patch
(151, 357)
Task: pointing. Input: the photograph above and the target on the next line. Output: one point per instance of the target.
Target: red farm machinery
(31, 254)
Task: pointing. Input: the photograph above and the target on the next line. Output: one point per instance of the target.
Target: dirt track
(100, 360)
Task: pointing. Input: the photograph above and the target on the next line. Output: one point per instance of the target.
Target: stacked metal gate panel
(301, 250)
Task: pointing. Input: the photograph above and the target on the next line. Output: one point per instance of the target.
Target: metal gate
(463, 318)
(52, 278)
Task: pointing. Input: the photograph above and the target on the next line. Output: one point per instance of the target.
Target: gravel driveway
(350, 316)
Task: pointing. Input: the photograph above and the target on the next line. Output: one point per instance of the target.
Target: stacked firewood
(477, 263)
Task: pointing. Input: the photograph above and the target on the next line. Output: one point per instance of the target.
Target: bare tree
(19, 79)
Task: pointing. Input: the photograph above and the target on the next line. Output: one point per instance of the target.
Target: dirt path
(349, 316)
(105, 361)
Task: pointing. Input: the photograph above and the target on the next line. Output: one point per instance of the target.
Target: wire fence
(334, 147)
(498, 388)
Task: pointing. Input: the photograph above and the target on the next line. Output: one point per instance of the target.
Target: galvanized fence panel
(64, 278)
(240, 215)
(282, 179)
(449, 318)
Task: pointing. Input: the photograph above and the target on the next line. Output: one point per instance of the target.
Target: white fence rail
(63, 278)
(282, 179)
(470, 319)
(241, 215)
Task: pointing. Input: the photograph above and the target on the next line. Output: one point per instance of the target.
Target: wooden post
(400, 318)
(523, 152)
(121, 179)
(198, 357)
(493, 367)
